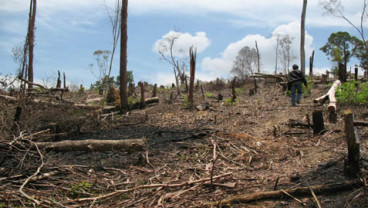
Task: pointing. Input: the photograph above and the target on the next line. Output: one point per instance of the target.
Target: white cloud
(182, 43)
(222, 66)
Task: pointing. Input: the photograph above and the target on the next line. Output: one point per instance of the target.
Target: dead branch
(91, 145)
(32, 176)
(118, 192)
(318, 189)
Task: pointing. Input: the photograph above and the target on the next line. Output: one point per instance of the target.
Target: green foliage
(230, 101)
(208, 94)
(81, 89)
(186, 103)
(339, 47)
(130, 78)
(78, 188)
(352, 93)
(239, 90)
(307, 90)
(133, 100)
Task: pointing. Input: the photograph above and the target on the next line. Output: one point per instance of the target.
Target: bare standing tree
(176, 58)
(284, 43)
(115, 21)
(302, 37)
(258, 59)
(123, 56)
(245, 62)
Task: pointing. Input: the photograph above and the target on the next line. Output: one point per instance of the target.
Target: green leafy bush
(353, 93)
(208, 94)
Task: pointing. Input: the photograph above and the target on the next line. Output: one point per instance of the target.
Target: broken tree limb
(330, 95)
(128, 145)
(118, 192)
(302, 191)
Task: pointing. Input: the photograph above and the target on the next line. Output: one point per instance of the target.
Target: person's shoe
(293, 106)
(297, 102)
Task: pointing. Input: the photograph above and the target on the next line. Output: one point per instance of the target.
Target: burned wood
(302, 191)
(90, 145)
(294, 123)
(353, 142)
(360, 123)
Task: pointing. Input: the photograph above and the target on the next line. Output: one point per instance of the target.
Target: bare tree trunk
(123, 56)
(193, 57)
(258, 59)
(64, 80)
(177, 81)
(154, 91)
(233, 97)
(311, 61)
(31, 32)
(142, 103)
(115, 23)
(302, 37)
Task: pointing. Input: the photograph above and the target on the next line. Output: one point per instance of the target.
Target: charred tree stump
(324, 79)
(154, 91)
(332, 117)
(142, 94)
(318, 123)
(255, 86)
(351, 167)
(342, 72)
(58, 83)
(193, 57)
(233, 97)
(18, 112)
(356, 74)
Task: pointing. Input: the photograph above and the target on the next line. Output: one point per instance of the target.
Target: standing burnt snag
(233, 97)
(154, 91)
(351, 167)
(318, 123)
(141, 85)
(193, 57)
(58, 83)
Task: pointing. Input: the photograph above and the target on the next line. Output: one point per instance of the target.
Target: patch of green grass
(208, 94)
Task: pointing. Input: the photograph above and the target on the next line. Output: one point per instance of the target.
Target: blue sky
(69, 31)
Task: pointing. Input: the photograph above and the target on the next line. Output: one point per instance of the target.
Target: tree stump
(351, 167)
(332, 117)
(318, 123)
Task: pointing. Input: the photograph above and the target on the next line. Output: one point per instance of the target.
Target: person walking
(295, 80)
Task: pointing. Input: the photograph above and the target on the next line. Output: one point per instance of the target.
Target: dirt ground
(193, 158)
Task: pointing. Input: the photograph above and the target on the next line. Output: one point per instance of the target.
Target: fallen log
(330, 95)
(91, 145)
(302, 191)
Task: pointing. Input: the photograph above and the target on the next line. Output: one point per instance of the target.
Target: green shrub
(186, 103)
(352, 93)
(208, 94)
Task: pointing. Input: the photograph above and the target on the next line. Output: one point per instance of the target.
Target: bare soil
(245, 147)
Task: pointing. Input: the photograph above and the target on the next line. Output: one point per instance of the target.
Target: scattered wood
(294, 123)
(360, 123)
(90, 145)
(118, 192)
(330, 95)
(302, 191)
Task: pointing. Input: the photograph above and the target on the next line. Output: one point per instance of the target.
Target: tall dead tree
(115, 22)
(311, 61)
(31, 31)
(123, 56)
(302, 37)
(258, 59)
(193, 57)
